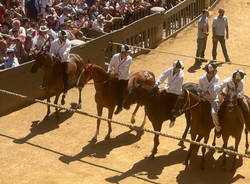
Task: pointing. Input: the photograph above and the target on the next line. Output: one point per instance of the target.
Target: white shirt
(120, 66)
(39, 41)
(212, 87)
(229, 88)
(62, 18)
(9, 63)
(98, 26)
(175, 81)
(21, 31)
(220, 25)
(61, 49)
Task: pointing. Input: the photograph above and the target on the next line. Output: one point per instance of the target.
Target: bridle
(188, 105)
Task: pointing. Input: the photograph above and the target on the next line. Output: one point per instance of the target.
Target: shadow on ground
(46, 125)
(103, 148)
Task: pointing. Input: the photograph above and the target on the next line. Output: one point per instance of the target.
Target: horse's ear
(88, 61)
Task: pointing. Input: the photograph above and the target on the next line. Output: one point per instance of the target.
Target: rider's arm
(163, 77)
(112, 63)
(240, 91)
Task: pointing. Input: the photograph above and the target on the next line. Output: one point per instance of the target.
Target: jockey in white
(175, 76)
(233, 86)
(209, 89)
(120, 64)
(60, 48)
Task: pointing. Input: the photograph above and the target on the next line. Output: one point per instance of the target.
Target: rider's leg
(121, 90)
(215, 118)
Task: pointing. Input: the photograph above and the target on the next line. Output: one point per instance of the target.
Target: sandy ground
(51, 152)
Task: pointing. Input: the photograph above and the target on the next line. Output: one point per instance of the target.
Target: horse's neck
(99, 74)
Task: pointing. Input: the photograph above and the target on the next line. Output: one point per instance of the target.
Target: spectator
(203, 30)
(32, 9)
(21, 31)
(98, 24)
(220, 25)
(40, 40)
(65, 14)
(11, 60)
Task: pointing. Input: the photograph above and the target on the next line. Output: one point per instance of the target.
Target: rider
(60, 48)
(233, 86)
(209, 89)
(120, 64)
(175, 76)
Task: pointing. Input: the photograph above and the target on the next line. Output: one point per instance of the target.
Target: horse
(106, 91)
(201, 129)
(52, 79)
(157, 104)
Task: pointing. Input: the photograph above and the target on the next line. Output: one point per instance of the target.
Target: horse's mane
(100, 69)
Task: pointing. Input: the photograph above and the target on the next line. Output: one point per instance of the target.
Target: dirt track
(58, 152)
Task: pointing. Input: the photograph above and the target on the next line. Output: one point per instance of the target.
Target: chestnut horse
(106, 90)
(231, 120)
(158, 106)
(52, 79)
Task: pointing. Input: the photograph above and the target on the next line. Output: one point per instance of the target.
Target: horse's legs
(214, 140)
(157, 127)
(99, 112)
(80, 98)
(191, 147)
(110, 114)
(188, 121)
(48, 107)
(56, 102)
(63, 98)
(144, 120)
(247, 144)
(203, 153)
(134, 113)
(225, 140)
(237, 142)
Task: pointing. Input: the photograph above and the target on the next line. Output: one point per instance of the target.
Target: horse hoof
(92, 141)
(151, 157)
(132, 121)
(181, 144)
(107, 138)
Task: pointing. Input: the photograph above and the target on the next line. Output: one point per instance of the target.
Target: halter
(188, 105)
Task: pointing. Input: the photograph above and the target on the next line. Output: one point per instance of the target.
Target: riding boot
(121, 90)
(245, 110)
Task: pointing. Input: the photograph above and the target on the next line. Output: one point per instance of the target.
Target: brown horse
(52, 80)
(106, 90)
(200, 111)
(158, 107)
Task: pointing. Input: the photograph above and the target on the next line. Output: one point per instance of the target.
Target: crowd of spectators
(25, 25)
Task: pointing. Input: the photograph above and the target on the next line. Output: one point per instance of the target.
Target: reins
(188, 105)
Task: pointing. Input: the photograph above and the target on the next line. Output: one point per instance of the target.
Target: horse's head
(137, 94)
(229, 102)
(43, 59)
(184, 102)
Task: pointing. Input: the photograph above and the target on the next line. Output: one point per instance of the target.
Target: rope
(182, 55)
(133, 127)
